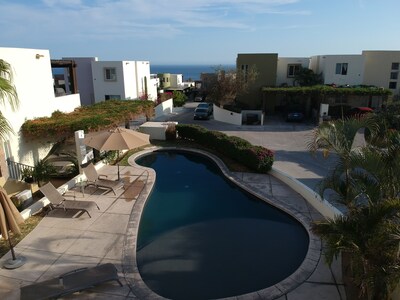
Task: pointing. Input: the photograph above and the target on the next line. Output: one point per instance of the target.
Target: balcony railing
(15, 169)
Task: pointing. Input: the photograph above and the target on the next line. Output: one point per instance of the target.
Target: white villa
(32, 77)
(104, 80)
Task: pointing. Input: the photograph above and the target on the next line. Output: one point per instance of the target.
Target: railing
(15, 169)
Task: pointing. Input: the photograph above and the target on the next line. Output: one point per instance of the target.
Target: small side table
(81, 185)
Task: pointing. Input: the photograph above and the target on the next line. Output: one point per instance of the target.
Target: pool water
(202, 237)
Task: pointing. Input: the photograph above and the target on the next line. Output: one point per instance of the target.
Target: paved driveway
(288, 140)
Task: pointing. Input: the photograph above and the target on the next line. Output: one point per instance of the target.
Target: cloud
(111, 19)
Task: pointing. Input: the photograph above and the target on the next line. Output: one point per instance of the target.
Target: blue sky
(199, 31)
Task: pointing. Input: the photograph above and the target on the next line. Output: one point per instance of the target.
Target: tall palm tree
(339, 137)
(370, 235)
(8, 95)
(366, 180)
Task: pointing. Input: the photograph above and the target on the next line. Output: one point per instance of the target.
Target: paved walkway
(66, 241)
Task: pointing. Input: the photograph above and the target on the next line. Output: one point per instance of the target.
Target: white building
(288, 67)
(32, 77)
(84, 78)
(122, 80)
(339, 69)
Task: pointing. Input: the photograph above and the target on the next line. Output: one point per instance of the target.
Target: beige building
(266, 65)
(381, 68)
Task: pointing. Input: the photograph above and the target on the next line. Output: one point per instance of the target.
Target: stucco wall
(378, 66)
(34, 83)
(102, 87)
(163, 108)
(326, 64)
(282, 68)
(84, 78)
(227, 116)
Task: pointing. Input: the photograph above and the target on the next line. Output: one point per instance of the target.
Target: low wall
(38, 205)
(156, 130)
(321, 205)
(227, 116)
(164, 108)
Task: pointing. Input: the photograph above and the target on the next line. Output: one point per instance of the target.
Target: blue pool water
(202, 237)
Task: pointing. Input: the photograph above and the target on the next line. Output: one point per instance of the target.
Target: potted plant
(43, 171)
(27, 175)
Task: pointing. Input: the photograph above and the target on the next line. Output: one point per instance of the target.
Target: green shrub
(257, 158)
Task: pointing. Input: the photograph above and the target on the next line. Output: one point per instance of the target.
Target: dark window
(392, 85)
(112, 97)
(394, 75)
(293, 70)
(395, 66)
(110, 74)
(341, 68)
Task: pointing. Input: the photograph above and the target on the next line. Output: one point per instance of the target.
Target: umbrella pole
(118, 165)
(11, 248)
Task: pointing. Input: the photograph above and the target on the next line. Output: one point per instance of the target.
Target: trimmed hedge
(256, 158)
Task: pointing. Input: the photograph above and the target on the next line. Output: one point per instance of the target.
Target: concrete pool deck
(61, 243)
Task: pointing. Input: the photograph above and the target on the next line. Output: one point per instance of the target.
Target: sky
(199, 31)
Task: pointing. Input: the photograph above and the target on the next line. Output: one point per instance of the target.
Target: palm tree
(339, 137)
(8, 94)
(366, 180)
(370, 235)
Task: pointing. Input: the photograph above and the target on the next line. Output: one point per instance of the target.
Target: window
(392, 85)
(245, 71)
(394, 75)
(114, 97)
(110, 74)
(293, 70)
(395, 66)
(341, 68)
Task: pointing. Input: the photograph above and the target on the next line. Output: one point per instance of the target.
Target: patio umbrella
(10, 218)
(117, 139)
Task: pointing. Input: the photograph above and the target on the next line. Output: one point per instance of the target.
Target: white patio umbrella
(116, 139)
(10, 218)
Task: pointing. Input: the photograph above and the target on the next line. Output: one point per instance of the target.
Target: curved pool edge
(130, 268)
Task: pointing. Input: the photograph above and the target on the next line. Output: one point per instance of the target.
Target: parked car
(198, 98)
(201, 113)
(294, 116)
(208, 106)
(359, 111)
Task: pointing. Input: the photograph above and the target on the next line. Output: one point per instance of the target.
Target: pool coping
(130, 268)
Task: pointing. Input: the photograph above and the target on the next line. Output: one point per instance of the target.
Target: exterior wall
(165, 80)
(266, 65)
(226, 116)
(84, 78)
(378, 68)
(163, 108)
(129, 77)
(326, 64)
(176, 80)
(142, 78)
(34, 83)
(152, 88)
(282, 76)
(103, 87)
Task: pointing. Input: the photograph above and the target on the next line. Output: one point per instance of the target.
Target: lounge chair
(58, 201)
(100, 181)
(71, 282)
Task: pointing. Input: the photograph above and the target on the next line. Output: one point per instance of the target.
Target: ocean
(188, 71)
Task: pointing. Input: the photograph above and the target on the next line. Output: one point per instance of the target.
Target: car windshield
(201, 110)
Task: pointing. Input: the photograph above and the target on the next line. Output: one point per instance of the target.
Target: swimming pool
(201, 236)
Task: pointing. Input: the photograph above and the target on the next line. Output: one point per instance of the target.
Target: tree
(365, 179)
(229, 84)
(307, 77)
(8, 94)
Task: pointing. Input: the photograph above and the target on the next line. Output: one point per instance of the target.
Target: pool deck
(64, 241)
